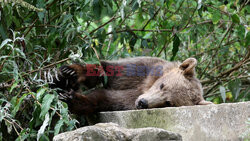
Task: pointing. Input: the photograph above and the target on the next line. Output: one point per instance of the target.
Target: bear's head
(176, 87)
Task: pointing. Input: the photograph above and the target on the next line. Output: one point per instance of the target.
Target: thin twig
(229, 71)
(153, 30)
(48, 66)
(174, 33)
(203, 72)
(224, 12)
(32, 25)
(244, 4)
(228, 30)
(41, 104)
(237, 66)
(209, 90)
(1, 66)
(113, 18)
(151, 18)
(42, 25)
(30, 72)
(13, 124)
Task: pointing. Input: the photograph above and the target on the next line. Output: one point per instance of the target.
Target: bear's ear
(188, 66)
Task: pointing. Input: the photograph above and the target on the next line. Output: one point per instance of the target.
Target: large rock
(112, 132)
(194, 123)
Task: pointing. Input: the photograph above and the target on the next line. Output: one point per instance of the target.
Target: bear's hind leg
(79, 104)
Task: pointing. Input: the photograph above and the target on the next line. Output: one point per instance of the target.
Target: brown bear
(130, 83)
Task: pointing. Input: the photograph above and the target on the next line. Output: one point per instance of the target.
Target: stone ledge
(112, 132)
(195, 123)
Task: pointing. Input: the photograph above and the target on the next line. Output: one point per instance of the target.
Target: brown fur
(178, 86)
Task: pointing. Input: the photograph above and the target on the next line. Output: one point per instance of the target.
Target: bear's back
(133, 71)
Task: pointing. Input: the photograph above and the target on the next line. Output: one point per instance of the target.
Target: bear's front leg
(72, 76)
(65, 79)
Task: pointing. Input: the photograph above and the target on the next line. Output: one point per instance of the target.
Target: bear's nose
(142, 104)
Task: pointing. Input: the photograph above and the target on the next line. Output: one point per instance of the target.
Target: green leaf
(97, 9)
(223, 93)
(17, 106)
(71, 124)
(247, 94)
(49, 2)
(144, 43)
(235, 18)
(101, 34)
(58, 126)
(20, 52)
(23, 135)
(216, 17)
(35, 121)
(135, 5)
(132, 43)
(13, 101)
(40, 92)
(151, 12)
(247, 39)
(5, 42)
(240, 32)
(176, 44)
(235, 87)
(16, 21)
(66, 18)
(47, 100)
(199, 4)
(2, 33)
(41, 14)
(86, 2)
(15, 71)
(13, 86)
(148, 35)
(244, 95)
(43, 127)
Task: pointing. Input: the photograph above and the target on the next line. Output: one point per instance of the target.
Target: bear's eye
(162, 85)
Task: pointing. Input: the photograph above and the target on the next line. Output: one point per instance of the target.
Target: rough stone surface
(112, 132)
(194, 123)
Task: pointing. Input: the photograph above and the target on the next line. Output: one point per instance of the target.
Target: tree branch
(151, 18)
(113, 18)
(229, 71)
(30, 72)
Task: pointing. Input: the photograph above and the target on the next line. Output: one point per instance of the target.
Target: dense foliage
(37, 36)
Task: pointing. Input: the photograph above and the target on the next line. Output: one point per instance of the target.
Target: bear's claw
(65, 96)
(68, 72)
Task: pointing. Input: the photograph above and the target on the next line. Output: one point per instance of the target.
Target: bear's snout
(142, 104)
